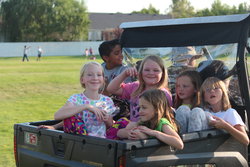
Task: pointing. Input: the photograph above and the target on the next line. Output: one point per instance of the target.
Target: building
(104, 26)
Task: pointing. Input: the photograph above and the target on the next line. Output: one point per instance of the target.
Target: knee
(182, 112)
(198, 113)
(183, 109)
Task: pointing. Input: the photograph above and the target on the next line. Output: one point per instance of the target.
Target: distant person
(86, 52)
(25, 52)
(39, 54)
(90, 51)
(156, 119)
(111, 54)
(215, 101)
(91, 54)
(183, 58)
(89, 112)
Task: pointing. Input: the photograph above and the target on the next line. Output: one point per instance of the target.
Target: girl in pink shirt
(152, 74)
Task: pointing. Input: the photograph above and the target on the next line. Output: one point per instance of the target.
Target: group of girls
(203, 106)
(151, 112)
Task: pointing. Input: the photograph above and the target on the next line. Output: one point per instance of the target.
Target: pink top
(128, 89)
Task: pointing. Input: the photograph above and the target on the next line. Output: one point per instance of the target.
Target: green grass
(33, 91)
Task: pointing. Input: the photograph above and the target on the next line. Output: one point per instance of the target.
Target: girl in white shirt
(214, 99)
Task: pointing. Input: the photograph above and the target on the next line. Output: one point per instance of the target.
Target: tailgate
(53, 148)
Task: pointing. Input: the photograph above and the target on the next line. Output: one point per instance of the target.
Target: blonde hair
(163, 83)
(83, 69)
(196, 81)
(162, 109)
(211, 83)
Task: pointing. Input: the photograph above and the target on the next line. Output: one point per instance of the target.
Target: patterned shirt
(93, 126)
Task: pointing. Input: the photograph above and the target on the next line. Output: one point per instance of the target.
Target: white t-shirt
(230, 115)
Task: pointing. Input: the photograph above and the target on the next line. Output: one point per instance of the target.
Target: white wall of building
(11, 49)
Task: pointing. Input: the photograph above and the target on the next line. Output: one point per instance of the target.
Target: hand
(46, 127)
(146, 130)
(218, 123)
(100, 113)
(136, 134)
(106, 117)
(131, 72)
(192, 61)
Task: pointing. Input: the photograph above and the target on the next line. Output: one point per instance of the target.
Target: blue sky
(127, 6)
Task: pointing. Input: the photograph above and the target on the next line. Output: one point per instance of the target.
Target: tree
(150, 10)
(181, 9)
(43, 20)
(218, 8)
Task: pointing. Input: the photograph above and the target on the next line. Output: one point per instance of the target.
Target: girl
(156, 119)
(215, 100)
(88, 113)
(188, 114)
(152, 74)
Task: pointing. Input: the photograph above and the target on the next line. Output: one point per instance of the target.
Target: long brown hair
(211, 83)
(163, 83)
(196, 81)
(162, 109)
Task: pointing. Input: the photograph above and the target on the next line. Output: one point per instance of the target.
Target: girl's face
(146, 111)
(213, 96)
(185, 89)
(151, 73)
(93, 77)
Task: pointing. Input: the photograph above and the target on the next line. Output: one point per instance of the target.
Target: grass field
(33, 91)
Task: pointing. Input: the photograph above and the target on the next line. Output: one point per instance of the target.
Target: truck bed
(54, 148)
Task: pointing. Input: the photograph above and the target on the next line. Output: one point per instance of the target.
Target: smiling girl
(152, 74)
(156, 119)
(89, 112)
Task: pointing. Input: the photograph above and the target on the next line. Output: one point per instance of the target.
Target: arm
(168, 136)
(108, 120)
(54, 127)
(125, 132)
(114, 86)
(192, 61)
(69, 110)
(237, 131)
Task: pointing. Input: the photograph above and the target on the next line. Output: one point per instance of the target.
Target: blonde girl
(188, 114)
(215, 100)
(89, 112)
(156, 119)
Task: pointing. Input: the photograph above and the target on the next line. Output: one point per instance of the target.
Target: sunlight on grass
(33, 91)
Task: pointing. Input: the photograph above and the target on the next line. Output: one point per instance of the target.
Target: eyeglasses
(208, 90)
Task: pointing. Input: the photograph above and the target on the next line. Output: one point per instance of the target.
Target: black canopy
(185, 32)
(198, 31)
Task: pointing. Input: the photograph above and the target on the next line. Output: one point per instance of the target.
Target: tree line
(44, 20)
(184, 9)
(67, 20)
